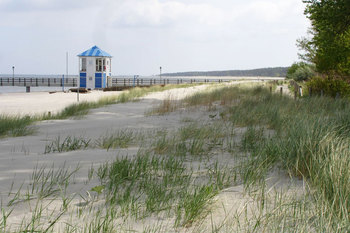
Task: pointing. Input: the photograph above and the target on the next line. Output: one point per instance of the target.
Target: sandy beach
(44, 102)
(21, 156)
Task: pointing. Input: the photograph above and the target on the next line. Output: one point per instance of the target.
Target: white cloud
(153, 13)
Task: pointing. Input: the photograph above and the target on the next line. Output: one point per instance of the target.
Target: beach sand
(43, 102)
(20, 156)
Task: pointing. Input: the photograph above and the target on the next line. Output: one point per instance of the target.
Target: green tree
(329, 45)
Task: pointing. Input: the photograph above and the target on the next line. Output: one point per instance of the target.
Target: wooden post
(300, 91)
(281, 90)
(270, 89)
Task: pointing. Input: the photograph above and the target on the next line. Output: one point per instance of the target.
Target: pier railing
(38, 82)
(142, 82)
(116, 82)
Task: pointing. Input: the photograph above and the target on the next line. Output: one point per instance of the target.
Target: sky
(142, 35)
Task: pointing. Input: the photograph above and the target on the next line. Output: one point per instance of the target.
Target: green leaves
(329, 47)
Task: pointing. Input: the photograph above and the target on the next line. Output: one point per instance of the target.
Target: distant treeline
(263, 72)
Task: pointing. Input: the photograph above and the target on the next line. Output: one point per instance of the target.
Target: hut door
(90, 83)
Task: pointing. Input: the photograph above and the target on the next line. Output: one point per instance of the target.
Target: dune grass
(15, 126)
(308, 137)
(311, 140)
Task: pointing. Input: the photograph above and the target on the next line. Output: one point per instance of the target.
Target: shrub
(300, 71)
(330, 86)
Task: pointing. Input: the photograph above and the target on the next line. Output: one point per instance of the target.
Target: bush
(300, 71)
(330, 86)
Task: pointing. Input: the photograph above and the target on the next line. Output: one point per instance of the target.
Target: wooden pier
(116, 82)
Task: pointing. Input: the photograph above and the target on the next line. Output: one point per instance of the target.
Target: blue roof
(94, 52)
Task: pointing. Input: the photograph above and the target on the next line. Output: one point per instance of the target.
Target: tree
(329, 45)
(301, 71)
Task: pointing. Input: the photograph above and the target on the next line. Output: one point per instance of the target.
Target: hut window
(99, 64)
(83, 64)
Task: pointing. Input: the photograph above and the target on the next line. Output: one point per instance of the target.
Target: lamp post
(13, 72)
(160, 75)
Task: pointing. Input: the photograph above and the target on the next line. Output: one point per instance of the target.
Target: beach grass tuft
(15, 126)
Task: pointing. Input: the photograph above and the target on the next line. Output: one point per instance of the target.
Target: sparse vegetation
(68, 144)
(176, 174)
(119, 139)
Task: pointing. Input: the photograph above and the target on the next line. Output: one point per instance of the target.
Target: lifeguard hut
(94, 68)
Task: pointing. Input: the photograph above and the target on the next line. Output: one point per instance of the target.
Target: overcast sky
(142, 35)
